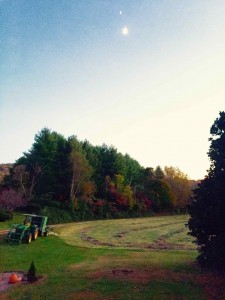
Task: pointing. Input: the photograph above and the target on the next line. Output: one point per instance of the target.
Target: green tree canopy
(159, 191)
(50, 151)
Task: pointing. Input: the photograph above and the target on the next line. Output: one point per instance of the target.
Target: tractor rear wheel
(35, 235)
(29, 238)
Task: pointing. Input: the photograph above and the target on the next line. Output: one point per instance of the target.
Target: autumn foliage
(86, 181)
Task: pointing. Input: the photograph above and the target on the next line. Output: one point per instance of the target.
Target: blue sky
(152, 93)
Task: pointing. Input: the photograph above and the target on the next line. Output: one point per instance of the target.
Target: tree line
(72, 179)
(76, 181)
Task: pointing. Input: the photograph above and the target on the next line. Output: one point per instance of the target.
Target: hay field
(166, 232)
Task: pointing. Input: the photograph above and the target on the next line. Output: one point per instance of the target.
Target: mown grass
(129, 233)
(67, 268)
(154, 290)
(75, 272)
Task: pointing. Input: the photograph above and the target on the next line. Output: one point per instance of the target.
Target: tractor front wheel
(35, 235)
(29, 238)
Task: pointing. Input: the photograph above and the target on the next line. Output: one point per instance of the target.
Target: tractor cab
(39, 221)
(27, 220)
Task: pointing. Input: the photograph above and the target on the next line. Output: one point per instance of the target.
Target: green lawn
(75, 272)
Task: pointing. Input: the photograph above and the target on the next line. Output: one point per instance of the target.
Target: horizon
(197, 179)
(145, 77)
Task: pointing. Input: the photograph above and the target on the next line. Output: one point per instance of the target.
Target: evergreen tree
(31, 275)
(207, 221)
(159, 174)
(50, 152)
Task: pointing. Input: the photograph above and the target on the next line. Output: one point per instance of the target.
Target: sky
(146, 76)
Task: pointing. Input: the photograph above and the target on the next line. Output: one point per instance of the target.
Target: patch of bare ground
(94, 241)
(212, 284)
(4, 281)
(4, 297)
(161, 243)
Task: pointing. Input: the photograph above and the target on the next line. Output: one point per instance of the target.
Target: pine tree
(31, 275)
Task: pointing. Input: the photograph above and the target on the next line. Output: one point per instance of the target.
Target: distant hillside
(4, 170)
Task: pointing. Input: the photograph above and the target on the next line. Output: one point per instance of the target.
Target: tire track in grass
(159, 244)
(146, 233)
(162, 243)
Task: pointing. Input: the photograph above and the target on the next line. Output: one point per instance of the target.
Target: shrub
(4, 215)
(31, 208)
(56, 215)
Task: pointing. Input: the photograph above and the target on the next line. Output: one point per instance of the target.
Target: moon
(125, 30)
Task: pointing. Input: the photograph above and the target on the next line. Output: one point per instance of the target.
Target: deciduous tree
(25, 180)
(11, 199)
(181, 186)
(81, 174)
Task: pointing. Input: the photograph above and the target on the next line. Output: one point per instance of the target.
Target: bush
(56, 215)
(32, 208)
(4, 215)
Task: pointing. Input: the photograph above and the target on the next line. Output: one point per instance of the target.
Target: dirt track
(4, 231)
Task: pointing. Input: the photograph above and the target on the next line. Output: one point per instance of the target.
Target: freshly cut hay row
(167, 232)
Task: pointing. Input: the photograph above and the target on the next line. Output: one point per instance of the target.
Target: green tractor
(32, 227)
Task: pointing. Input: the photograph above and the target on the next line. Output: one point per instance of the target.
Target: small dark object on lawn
(31, 275)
